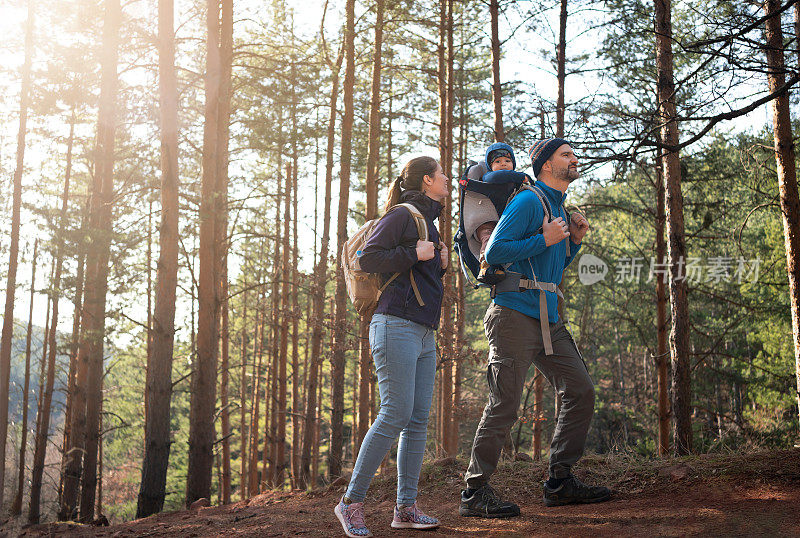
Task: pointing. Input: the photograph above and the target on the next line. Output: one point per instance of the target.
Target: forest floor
(754, 494)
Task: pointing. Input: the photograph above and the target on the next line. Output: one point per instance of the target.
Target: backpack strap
(422, 232)
(548, 211)
(419, 220)
(415, 288)
(567, 218)
(539, 194)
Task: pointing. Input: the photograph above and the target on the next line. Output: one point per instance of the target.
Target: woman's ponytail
(410, 179)
(394, 194)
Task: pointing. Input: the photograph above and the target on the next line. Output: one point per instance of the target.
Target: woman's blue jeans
(404, 353)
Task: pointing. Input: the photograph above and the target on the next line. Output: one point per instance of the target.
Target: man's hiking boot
(484, 502)
(573, 491)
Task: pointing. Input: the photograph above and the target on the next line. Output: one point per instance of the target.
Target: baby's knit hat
(499, 149)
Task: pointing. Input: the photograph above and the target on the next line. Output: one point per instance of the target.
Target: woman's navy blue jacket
(392, 248)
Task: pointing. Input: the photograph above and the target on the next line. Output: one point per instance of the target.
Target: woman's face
(437, 186)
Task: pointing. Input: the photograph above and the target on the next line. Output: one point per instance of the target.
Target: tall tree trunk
(223, 124)
(354, 411)
(286, 311)
(679, 335)
(441, 404)
(662, 352)
(270, 410)
(13, 251)
(77, 304)
(316, 427)
(76, 396)
(340, 321)
(258, 351)
(497, 91)
(318, 293)
(445, 87)
(225, 422)
(458, 356)
(787, 173)
(204, 375)
(389, 116)
(296, 422)
(450, 304)
(43, 359)
(243, 398)
(149, 271)
(94, 306)
(561, 66)
(99, 503)
(797, 30)
(538, 414)
(371, 183)
(620, 368)
(16, 506)
(152, 489)
(43, 421)
(271, 390)
(461, 306)
(271, 407)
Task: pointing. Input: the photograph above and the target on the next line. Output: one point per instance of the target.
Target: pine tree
(202, 433)
(152, 489)
(95, 302)
(679, 335)
(43, 420)
(13, 251)
(786, 169)
(16, 505)
(340, 321)
(311, 428)
(371, 184)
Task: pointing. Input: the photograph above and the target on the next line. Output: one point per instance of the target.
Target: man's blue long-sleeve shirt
(517, 239)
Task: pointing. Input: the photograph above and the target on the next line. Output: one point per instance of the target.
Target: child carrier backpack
(364, 289)
(484, 201)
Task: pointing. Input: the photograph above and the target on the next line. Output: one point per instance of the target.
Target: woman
(402, 339)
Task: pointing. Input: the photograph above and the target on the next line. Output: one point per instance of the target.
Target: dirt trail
(733, 495)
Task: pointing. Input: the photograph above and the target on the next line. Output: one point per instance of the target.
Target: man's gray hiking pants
(515, 342)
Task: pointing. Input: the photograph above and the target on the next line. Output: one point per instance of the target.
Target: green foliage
(742, 359)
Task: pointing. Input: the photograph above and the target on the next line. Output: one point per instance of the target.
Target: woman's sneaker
(351, 516)
(411, 517)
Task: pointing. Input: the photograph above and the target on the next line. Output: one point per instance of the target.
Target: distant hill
(18, 372)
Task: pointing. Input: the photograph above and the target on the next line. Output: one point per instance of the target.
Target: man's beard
(567, 174)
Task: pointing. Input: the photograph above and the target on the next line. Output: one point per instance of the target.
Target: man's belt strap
(515, 282)
(526, 284)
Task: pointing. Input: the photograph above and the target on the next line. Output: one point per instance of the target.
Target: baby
(499, 156)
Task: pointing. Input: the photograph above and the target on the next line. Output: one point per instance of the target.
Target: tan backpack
(365, 288)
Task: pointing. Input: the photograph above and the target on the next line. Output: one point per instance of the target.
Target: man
(521, 332)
